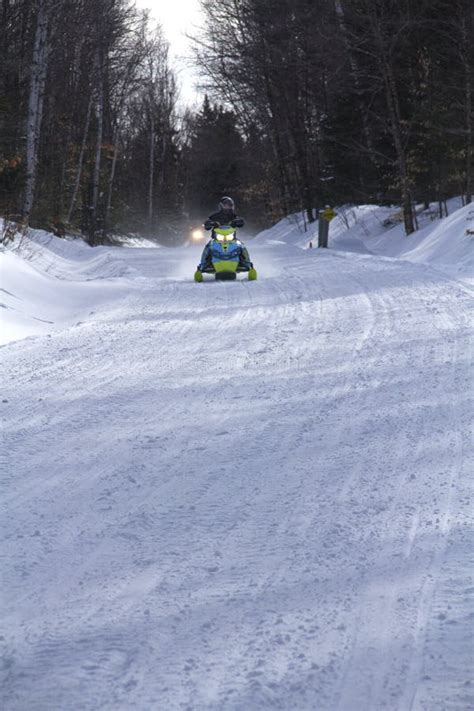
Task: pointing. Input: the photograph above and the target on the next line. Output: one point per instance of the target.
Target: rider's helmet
(226, 204)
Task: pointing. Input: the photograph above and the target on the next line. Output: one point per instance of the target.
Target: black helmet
(226, 203)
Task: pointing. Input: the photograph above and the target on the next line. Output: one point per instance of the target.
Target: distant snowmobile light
(197, 235)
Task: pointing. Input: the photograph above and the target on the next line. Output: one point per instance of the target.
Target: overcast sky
(178, 17)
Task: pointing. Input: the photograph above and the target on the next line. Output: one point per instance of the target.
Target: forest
(304, 103)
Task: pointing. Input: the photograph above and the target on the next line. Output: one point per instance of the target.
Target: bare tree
(80, 162)
(39, 67)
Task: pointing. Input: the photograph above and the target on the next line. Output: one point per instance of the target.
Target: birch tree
(158, 102)
(80, 162)
(38, 73)
(465, 23)
(96, 174)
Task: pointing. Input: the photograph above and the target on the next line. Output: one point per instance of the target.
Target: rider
(224, 216)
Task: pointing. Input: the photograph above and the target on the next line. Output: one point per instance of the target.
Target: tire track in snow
(234, 533)
(389, 605)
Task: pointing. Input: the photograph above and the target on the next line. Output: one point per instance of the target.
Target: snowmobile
(225, 256)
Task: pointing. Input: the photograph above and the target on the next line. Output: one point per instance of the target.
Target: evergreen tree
(214, 159)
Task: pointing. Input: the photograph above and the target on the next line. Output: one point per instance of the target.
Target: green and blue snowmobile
(225, 256)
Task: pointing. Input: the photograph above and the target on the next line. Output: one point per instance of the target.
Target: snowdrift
(47, 283)
(445, 243)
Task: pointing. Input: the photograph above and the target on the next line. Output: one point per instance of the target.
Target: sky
(178, 17)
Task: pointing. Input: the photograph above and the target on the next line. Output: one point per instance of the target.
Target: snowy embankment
(238, 496)
(368, 229)
(49, 283)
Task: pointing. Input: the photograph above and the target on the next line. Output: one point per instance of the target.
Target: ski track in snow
(243, 496)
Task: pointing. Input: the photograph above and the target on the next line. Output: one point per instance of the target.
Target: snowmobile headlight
(225, 238)
(197, 235)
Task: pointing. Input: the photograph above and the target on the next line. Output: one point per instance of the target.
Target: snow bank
(292, 230)
(72, 258)
(48, 283)
(136, 242)
(350, 227)
(445, 243)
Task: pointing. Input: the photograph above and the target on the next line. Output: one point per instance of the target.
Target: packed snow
(244, 495)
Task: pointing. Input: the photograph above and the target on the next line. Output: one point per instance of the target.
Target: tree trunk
(301, 151)
(396, 129)
(284, 182)
(80, 162)
(93, 213)
(3, 57)
(110, 185)
(355, 72)
(59, 195)
(151, 175)
(39, 67)
(468, 81)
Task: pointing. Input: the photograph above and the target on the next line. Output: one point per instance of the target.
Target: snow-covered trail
(243, 495)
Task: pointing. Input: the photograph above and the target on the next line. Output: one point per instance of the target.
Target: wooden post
(325, 217)
(323, 230)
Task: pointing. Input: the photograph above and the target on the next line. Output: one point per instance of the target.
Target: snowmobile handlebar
(213, 224)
